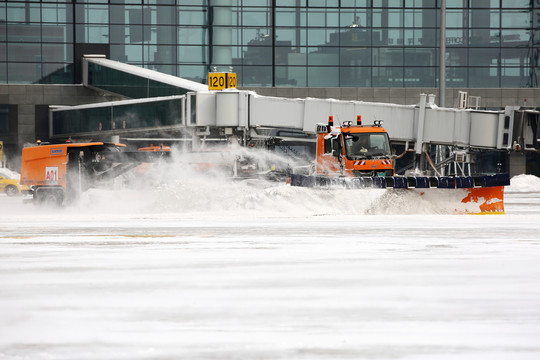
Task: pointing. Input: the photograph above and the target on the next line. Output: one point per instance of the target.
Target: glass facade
(283, 43)
(120, 117)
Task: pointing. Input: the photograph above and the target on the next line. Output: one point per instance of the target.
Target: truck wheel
(11, 190)
(49, 198)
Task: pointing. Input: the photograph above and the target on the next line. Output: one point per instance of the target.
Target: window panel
(24, 33)
(60, 53)
(319, 37)
(287, 17)
(3, 17)
(258, 55)
(485, 18)
(456, 37)
(516, 77)
(420, 57)
(289, 3)
(484, 37)
(291, 76)
(456, 4)
(483, 57)
(387, 57)
(354, 76)
(330, 57)
(256, 76)
(192, 36)
(167, 35)
(454, 18)
(420, 77)
(21, 12)
(57, 13)
(387, 3)
(282, 54)
(456, 56)
(419, 38)
(254, 36)
(518, 57)
(356, 56)
(485, 3)
(323, 17)
(163, 15)
(324, 3)
(27, 73)
(387, 18)
(24, 52)
(323, 76)
(166, 2)
(266, 3)
(525, 4)
(295, 36)
(355, 37)
(420, 4)
(57, 74)
(515, 37)
(93, 34)
(192, 54)
(420, 18)
(57, 33)
(516, 19)
(483, 77)
(192, 16)
(387, 76)
(355, 3)
(355, 18)
(256, 17)
(95, 14)
(456, 77)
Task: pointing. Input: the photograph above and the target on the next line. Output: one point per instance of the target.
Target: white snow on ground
(207, 269)
(524, 183)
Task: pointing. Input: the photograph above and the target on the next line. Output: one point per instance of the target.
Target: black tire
(51, 198)
(11, 190)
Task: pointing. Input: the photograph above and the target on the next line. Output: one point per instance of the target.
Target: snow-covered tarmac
(268, 273)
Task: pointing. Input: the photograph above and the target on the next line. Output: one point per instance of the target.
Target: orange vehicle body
(353, 151)
(59, 172)
(46, 165)
(361, 152)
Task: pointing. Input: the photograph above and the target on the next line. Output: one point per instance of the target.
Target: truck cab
(353, 150)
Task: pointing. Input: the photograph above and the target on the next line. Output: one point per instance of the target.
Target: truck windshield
(366, 145)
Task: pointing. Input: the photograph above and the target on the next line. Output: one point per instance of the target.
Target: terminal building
(369, 50)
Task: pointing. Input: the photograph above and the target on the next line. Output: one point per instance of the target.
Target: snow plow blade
(485, 192)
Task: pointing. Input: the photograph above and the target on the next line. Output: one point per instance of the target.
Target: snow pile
(10, 174)
(524, 183)
(214, 197)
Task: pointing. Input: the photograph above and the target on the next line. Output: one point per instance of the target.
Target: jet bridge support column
(419, 144)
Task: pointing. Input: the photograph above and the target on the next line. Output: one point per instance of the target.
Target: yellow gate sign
(220, 81)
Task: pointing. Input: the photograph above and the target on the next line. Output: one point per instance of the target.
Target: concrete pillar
(26, 124)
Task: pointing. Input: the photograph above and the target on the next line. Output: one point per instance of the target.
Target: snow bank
(524, 183)
(5, 172)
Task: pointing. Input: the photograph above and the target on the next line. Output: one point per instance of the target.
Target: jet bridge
(423, 123)
(171, 107)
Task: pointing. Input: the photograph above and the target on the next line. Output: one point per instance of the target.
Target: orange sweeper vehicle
(58, 173)
(359, 156)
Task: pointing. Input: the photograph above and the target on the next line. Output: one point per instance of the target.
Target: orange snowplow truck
(59, 172)
(353, 150)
